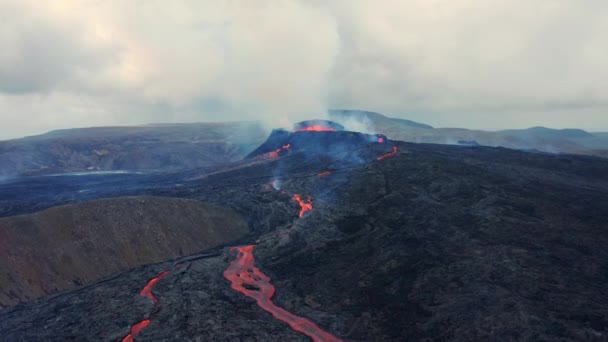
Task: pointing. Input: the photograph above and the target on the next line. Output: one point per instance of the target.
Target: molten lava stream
(250, 281)
(395, 148)
(275, 153)
(136, 329)
(145, 292)
(324, 173)
(305, 205)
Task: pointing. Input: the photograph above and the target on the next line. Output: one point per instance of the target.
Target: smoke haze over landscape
(458, 63)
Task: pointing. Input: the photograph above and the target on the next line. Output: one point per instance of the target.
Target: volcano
(352, 237)
(317, 125)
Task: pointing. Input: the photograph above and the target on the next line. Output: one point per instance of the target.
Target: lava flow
(305, 205)
(392, 153)
(136, 329)
(147, 290)
(275, 153)
(324, 173)
(250, 281)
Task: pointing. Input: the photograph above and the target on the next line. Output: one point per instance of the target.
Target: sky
(482, 64)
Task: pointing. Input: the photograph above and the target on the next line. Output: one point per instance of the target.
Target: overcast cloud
(467, 63)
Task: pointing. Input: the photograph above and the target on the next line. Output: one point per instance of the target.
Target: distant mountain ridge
(342, 114)
(147, 147)
(540, 139)
(164, 147)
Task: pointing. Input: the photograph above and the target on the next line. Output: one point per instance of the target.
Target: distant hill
(540, 139)
(372, 117)
(148, 147)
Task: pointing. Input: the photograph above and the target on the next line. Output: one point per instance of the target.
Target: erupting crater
(250, 281)
(317, 125)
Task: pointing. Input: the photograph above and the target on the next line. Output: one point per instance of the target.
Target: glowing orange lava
(380, 139)
(318, 128)
(324, 173)
(305, 205)
(147, 290)
(136, 329)
(250, 281)
(388, 154)
(275, 153)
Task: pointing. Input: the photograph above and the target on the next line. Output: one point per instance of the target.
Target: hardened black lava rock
(434, 242)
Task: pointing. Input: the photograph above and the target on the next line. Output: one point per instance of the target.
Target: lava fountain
(250, 281)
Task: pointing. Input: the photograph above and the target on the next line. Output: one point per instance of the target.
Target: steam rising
(449, 63)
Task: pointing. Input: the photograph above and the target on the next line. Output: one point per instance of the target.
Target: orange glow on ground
(305, 205)
(275, 153)
(395, 149)
(380, 139)
(324, 173)
(136, 329)
(250, 281)
(147, 290)
(318, 128)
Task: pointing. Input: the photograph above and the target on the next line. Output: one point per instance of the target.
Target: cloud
(469, 63)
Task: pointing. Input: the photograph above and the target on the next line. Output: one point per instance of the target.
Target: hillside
(540, 139)
(67, 246)
(149, 147)
(371, 240)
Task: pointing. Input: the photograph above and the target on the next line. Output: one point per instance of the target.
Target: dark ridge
(315, 141)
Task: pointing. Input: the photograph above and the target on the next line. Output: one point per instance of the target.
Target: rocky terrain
(371, 239)
(163, 147)
(68, 246)
(539, 139)
(148, 147)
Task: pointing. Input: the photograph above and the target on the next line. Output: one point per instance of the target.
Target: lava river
(250, 281)
(247, 279)
(145, 292)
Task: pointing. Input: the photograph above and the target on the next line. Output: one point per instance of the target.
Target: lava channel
(147, 290)
(275, 154)
(324, 173)
(392, 153)
(250, 281)
(305, 205)
(135, 329)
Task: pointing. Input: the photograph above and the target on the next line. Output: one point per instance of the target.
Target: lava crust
(414, 242)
